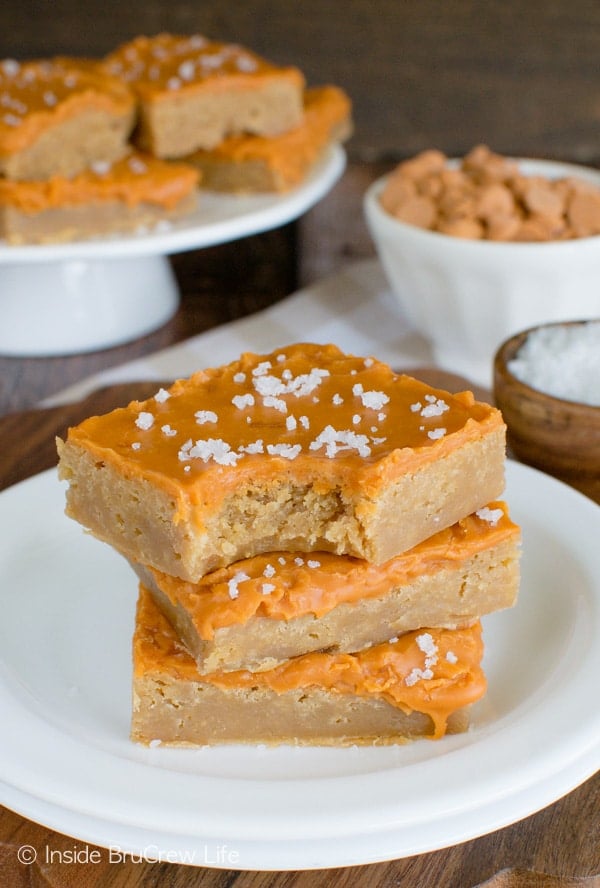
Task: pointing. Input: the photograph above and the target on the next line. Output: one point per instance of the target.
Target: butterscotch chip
(268, 608)
(495, 201)
(399, 191)
(418, 210)
(134, 192)
(431, 186)
(458, 200)
(423, 165)
(503, 228)
(462, 226)
(583, 212)
(486, 197)
(193, 92)
(303, 449)
(59, 116)
(540, 228)
(418, 685)
(541, 197)
(486, 166)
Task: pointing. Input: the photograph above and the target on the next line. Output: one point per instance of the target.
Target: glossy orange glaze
(321, 417)
(160, 66)
(137, 178)
(434, 671)
(283, 585)
(37, 95)
(325, 109)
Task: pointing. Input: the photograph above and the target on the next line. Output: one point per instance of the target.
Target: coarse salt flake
(426, 644)
(374, 400)
(416, 675)
(434, 408)
(335, 441)
(168, 431)
(204, 416)
(492, 516)
(277, 403)
(144, 420)
(287, 451)
(234, 582)
(162, 395)
(214, 449)
(253, 447)
(435, 434)
(241, 401)
(267, 588)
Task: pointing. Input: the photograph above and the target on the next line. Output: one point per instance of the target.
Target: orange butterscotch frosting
(159, 67)
(305, 412)
(41, 94)
(284, 585)
(433, 671)
(134, 179)
(327, 111)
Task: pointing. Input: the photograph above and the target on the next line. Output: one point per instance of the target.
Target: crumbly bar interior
(138, 518)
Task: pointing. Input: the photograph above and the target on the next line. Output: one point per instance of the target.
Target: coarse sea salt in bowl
(547, 385)
(466, 292)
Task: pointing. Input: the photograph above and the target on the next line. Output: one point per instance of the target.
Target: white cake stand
(60, 299)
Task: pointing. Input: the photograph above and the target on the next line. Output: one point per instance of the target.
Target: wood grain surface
(559, 847)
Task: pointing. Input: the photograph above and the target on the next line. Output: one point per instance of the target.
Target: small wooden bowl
(557, 436)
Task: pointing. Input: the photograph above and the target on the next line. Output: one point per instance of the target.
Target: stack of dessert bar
(67, 168)
(91, 147)
(316, 539)
(247, 124)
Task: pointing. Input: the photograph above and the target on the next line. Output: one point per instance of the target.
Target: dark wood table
(559, 846)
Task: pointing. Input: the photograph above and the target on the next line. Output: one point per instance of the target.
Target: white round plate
(218, 219)
(98, 293)
(65, 674)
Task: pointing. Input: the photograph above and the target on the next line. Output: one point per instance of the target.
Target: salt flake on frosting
(435, 434)
(144, 420)
(287, 451)
(204, 416)
(336, 441)
(492, 516)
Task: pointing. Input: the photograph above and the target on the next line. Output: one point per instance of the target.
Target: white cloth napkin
(354, 309)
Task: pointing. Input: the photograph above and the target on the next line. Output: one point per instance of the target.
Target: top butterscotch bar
(60, 116)
(304, 449)
(193, 92)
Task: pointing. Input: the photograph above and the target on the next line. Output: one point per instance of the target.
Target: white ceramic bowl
(467, 296)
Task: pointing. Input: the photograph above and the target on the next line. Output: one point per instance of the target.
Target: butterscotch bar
(193, 92)
(305, 449)
(266, 609)
(249, 163)
(419, 685)
(135, 192)
(59, 116)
